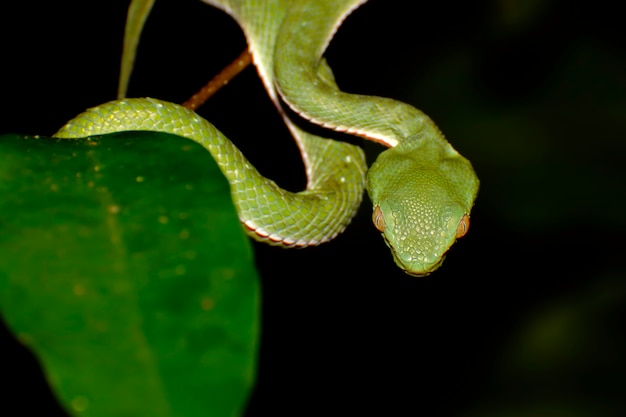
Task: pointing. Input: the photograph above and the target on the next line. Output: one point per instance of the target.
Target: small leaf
(124, 268)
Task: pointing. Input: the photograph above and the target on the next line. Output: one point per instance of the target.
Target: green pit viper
(421, 189)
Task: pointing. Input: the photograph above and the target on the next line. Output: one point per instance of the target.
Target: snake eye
(463, 226)
(378, 219)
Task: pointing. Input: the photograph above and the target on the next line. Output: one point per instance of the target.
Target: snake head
(422, 198)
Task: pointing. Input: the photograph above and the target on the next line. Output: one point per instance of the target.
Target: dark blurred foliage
(527, 315)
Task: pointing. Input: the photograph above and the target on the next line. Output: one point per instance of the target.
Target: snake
(421, 189)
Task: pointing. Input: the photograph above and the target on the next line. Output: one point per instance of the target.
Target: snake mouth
(414, 268)
(424, 269)
(418, 269)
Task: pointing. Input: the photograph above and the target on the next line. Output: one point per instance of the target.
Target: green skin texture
(422, 190)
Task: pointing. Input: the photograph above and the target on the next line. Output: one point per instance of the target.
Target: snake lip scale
(422, 190)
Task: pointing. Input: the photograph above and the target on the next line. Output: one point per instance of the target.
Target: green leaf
(124, 268)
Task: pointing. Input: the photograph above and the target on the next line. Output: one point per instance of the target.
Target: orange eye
(463, 226)
(378, 219)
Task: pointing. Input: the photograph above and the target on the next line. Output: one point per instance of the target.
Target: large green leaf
(123, 266)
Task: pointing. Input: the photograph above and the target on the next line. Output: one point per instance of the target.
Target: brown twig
(219, 81)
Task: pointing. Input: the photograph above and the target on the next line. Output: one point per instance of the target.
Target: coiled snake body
(421, 189)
